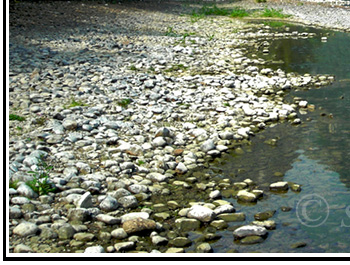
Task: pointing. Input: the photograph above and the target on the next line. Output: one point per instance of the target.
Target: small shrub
(14, 117)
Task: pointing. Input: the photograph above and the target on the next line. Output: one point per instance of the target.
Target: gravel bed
(129, 103)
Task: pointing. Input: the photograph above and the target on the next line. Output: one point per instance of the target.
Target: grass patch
(275, 24)
(271, 12)
(216, 11)
(176, 67)
(124, 102)
(75, 104)
(14, 117)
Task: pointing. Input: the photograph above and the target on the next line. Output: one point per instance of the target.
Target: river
(314, 154)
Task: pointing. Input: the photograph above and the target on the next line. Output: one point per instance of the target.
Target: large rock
(26, 229)
(139, 225)
(128, 201)
(201, 213)
(154, 176)
(249, 230)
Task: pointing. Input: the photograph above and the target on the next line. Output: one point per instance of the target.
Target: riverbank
(129, 105)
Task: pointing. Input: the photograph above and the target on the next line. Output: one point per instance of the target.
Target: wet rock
(208, 145)
(219, 224)
(249, 240)
(246, 196)
(298, 245)
(138, 225)
(159, 240)
(226, 208)
(262, 216)
(187, 224)
(232, 217)
(249, 230)
(180, 242)
(134, 215)
(154, 176)
(201, 213)
(268, 224)
(204, 248)
(279, 186)
(85, 237)
(175, 250)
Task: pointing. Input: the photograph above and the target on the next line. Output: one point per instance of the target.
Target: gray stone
(21, 248)
(85, 201)
(279, 186)
(204, 248)
(26, 229)
(139, 225)
(187, 224)
(15, 213)
(181, 168)
(246, 196)
(108, 219)
(120, 247)
(201, 213)
(128, 201)
(133, 215)
(95, 249)
(159, 142)
(109, 204)
(226, 208)
(249, 230)
(78, 214)
(154, 176)
(66, 231)
(119, 233)
(159, 240)
(208, 145)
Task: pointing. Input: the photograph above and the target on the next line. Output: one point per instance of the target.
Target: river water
(315, 154)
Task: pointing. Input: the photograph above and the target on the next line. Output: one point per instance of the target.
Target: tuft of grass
(40, 182)
(133, 68)
(271, 12)
(239, 12)
(140, 162)
(13, 184)
(75, 104)
(171, 32)
(124, 102)
(14, 117)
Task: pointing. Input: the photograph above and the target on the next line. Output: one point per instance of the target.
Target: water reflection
(314, 154)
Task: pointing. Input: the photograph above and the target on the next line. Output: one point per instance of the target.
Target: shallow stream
(314, 154)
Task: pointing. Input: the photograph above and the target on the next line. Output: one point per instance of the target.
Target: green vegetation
(133, 68)
(176, 67)
(40, 182)
(216, 11)
(14, 117)
(140, 162)
(124, 102)
(75, 104)
(170, 32)
(271, 12)
(14, 184)
(275, 24)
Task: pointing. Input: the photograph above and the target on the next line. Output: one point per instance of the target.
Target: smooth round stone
(279, 186)
(119, 233)
(249, 230)
(26, 229)
(95, 249)
(21, 248)
(204, 248)
(201, 213)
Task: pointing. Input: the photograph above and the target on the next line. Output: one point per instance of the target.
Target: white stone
(201, 213)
